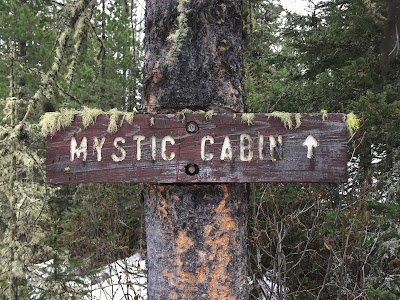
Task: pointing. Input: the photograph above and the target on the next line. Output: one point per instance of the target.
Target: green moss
(324, 114)
(129, 117)
(352, 123)
(52, 122)
(49, 123)
(297, 118)
(67, 117)
(209, 114)
(114, 117)
(285, 118)
(151, 121)
(9, 109)
(89, 116)
(248, 118)
(181, 115)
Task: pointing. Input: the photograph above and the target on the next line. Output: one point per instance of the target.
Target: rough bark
(196, 237)
(194, 55)
(196, 234)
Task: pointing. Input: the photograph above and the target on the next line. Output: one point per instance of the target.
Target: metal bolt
(192, 127)
(192, 169)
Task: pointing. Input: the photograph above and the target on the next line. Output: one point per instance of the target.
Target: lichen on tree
(176, 38)
(352, 123)
(23, 197)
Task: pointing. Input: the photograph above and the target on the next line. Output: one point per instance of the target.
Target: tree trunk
(196, 234)
(194, 55)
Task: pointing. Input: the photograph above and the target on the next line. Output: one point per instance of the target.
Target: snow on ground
(122, 280)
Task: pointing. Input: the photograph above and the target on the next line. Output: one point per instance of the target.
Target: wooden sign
(197, 149)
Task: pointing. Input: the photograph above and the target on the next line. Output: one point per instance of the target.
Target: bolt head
(192, 127)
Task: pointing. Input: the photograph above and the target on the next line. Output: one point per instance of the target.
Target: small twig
(58, 3)
(72, 97)
(397, 44)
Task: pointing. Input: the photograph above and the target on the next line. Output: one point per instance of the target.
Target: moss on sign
(52, 122)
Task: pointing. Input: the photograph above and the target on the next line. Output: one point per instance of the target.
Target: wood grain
(328, 164)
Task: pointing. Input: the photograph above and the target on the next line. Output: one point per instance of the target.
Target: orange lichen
(163, 208)
(220, 246)
(210, 260)
(224, 213)
(183, 242)
(184, 281)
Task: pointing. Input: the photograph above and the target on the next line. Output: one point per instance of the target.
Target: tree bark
(196, 234)
(196, 242)
(194, 55)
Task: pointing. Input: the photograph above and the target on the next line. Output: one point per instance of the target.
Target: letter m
(82, 149)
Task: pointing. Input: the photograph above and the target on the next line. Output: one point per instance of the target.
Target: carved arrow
(310, 143)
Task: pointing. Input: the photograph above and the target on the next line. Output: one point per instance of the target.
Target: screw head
(191, 169)
(192, 127)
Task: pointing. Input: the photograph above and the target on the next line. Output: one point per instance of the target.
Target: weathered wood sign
(224, 148)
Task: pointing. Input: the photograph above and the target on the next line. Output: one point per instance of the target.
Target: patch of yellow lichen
(352, 123)
(248, 118)
(52, 122)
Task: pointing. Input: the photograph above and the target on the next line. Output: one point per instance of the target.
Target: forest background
(307, 241)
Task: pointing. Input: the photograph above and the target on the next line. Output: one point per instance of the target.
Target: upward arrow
(310, 143)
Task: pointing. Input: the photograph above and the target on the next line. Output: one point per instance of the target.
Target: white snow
(124, 279)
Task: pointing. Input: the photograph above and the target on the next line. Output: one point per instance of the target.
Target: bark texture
(196, 237)
(196, 234)
(193, 55)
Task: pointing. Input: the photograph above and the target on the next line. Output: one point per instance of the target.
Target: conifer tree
(314, 241)
(23, 196)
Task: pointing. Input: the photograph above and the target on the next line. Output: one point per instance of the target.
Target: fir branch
(48, 79)
(102, 50)
(71, 97)
(80, 34)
